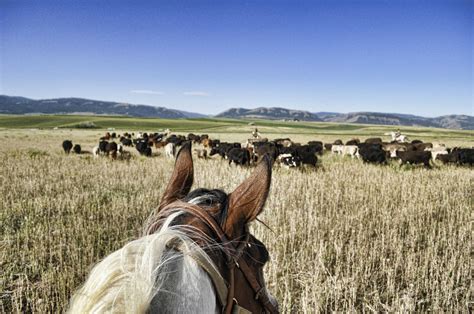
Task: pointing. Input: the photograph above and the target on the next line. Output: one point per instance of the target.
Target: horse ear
(247, 200)
(181, 179)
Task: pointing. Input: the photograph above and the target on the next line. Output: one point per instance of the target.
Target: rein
(235, 262)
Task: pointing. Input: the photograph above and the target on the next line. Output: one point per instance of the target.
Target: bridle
(234, 260)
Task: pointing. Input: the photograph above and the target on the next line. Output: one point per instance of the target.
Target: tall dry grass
(345, 237)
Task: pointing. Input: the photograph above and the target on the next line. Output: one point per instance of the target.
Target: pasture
(345, 237)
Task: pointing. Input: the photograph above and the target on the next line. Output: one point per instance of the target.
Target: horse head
(221, 220)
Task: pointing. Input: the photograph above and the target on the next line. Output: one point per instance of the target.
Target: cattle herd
(283, 151)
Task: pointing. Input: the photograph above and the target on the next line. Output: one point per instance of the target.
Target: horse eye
(249, 245)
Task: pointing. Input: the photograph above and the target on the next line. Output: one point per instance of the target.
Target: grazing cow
(327, 146)
(316, 146)
(416, 141)
(307, 149)
(111, 150)
(299, 155)
(338, 142)
(103, 146)
(143, 148)
(337, 149)
(435, 151)
(460, 156)
(239, 156)
(306, 157)
(170, 150)
(289, 160)
(201, 153)
(176, 139)
(77, 149)
(193, 137)
(126, 141)
(372, 153)
(415, 157)
(373, 140)
(353, 141)
(222, 148)
(214, 143)
(349, 150)
(67, 146)
(464, 155)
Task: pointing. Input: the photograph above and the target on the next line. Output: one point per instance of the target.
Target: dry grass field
(344, 237)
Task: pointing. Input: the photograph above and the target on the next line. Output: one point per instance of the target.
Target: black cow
(67, 146)
(111, 149)
(416, 141)
(298, 155)
(291, 161)
(328, 146)
(223, 148)
(460, 156)
(143, 148)
(102, 146)
(316, 146)
(77, 149)
(415, 157)
(126, 141)
(372, 153)
(307, 157)
(338, 142)
(240, 156)
(176, 139)
(193, 137)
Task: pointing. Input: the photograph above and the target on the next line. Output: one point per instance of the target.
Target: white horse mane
(146, 276)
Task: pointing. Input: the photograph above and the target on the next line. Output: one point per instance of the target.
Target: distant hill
(269, 113)
(22, 105)
(449, 122)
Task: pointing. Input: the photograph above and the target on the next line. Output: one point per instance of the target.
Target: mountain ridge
(75, 105)
(463, 122)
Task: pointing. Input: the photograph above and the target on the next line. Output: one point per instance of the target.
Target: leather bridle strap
(260, 294)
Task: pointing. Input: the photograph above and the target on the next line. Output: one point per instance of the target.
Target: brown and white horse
(196, 255)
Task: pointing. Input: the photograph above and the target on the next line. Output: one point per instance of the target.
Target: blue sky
(207, 56)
